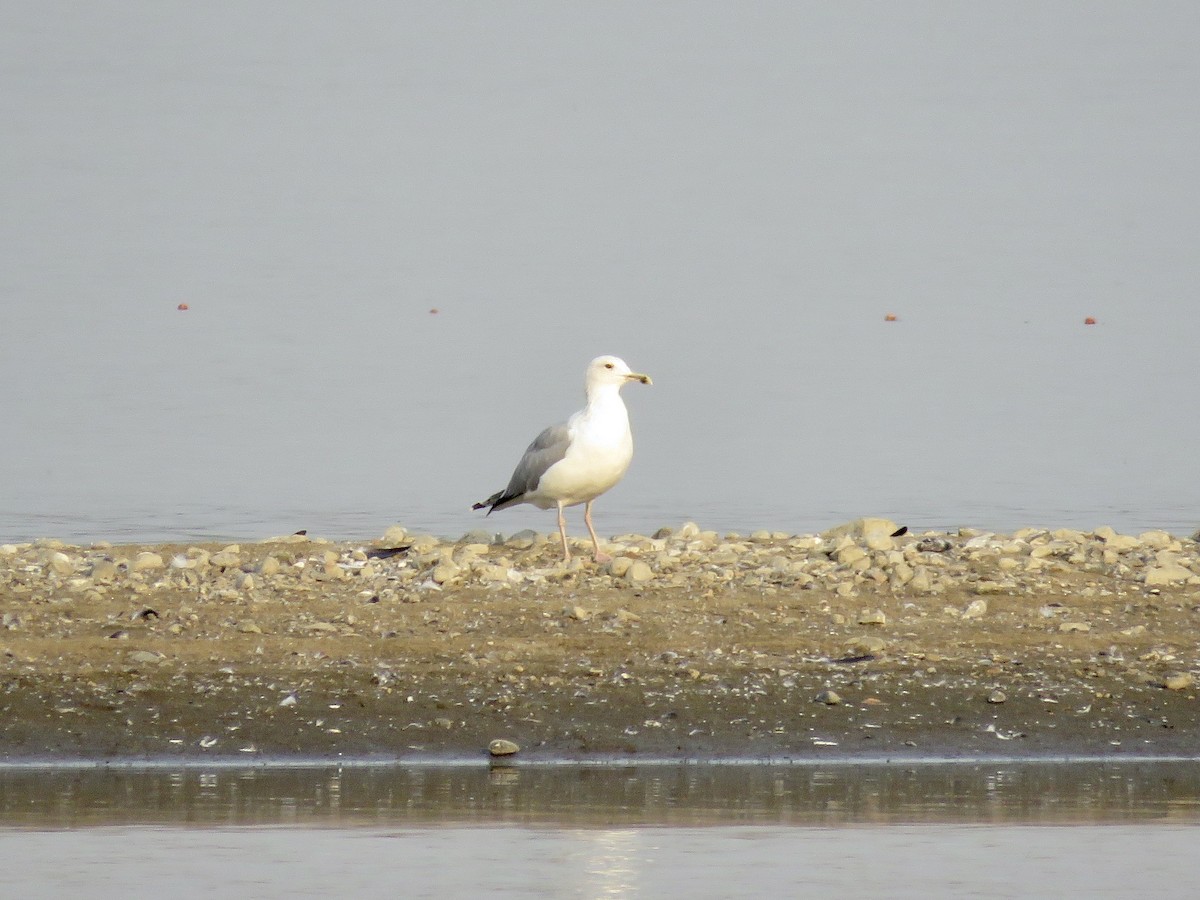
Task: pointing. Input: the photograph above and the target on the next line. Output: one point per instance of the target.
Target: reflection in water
(559, 831)
(611, 864)
(606, 797)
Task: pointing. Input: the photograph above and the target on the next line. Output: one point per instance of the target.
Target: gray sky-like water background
(729, 196)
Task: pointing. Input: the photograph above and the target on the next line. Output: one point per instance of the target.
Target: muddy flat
(715, 647)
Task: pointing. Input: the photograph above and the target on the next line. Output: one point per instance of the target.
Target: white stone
(146, 561)
(975, 609)
(1168, 574)
(638, 572)
(1156, 540)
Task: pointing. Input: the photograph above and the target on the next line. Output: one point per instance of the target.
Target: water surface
(731, 199)
(997, 829)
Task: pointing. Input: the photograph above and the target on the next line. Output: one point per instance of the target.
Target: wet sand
(781, 651)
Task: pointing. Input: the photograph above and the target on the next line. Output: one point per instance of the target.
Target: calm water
(731, 198)
(996, 830)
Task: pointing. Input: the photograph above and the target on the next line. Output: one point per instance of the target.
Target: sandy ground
(147, 664)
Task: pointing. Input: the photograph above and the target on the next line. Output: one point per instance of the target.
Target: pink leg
(562, 531)
(600, 557)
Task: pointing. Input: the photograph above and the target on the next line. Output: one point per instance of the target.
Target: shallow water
(918, 861)
(731, 201)
(980, 829)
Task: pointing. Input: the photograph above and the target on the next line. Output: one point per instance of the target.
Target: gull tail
(490, 502)
(498, 500)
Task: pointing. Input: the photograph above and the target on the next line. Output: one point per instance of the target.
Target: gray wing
(547, 448)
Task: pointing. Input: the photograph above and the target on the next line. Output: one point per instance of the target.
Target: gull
(578, 460)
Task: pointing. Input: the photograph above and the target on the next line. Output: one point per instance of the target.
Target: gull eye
(608, 365)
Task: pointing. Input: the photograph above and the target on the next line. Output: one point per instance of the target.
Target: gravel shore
(858, 643)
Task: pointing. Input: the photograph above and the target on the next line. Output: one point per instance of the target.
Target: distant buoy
(890, 317)
(1089, 321)
(434, 311)
(181, 307)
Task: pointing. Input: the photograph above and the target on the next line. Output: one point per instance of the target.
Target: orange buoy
(434, 311)
(890, 317)
(1089, 321)
(182, 306)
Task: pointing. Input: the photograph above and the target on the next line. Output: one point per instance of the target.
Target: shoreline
(688, 648)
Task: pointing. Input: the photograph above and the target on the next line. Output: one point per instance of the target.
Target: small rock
(445, 572)
(146, 561)
(872, 617)
(226, 559)
(933, 545)
(975, 609)
(488, 574)
(867, 644)
(639, 572)
(269, 566)
(990, 587)
(249, 627)
(60, 563)
(1172, 573)
(422, 543)
(875, 533)
(1156, 540)
(501, 747)
(1179, 681)
(522, 540)
(104, 570)
(145, 656)
(1068, 627)
(394, 536)
(620, 566)
(921, 581)
(829, 698)
(997, 696)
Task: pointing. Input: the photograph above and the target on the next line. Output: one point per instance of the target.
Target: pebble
(59, 563)
(639, 572)
(502, 747)
(445, 572)
(1172, 573)
(146, 561)
(867, 644)
(975, 609)
(921, 581)
(1179, 682)
(104, 570)
(997, 696)
(829, 698)
(228, 558)
(619, 566)
(855, 559)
